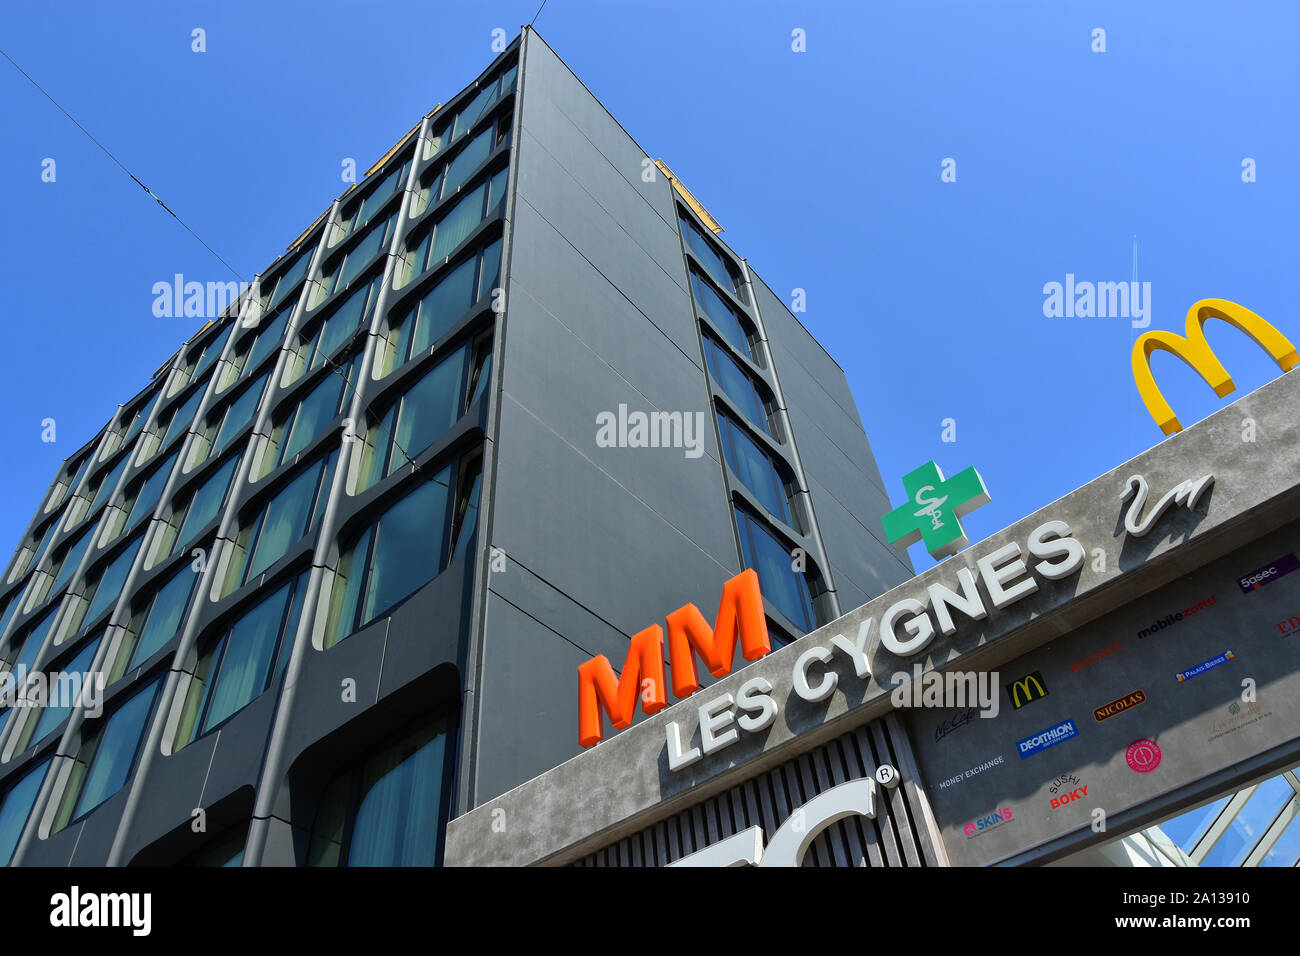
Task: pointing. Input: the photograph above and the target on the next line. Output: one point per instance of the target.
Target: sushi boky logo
(740, 616)
(1196, 352)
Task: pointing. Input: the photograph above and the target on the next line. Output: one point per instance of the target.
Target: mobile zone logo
(1196, 352)
(1172, 619)
(793, 838)
(1022, 691)
(1044, 739)
(1268, 573)
(1118, 706)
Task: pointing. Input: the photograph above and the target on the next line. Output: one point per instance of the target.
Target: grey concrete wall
(625, 784)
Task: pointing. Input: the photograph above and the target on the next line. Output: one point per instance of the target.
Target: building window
(35, 549)
(445, 180)
(108, 484)
(224, 423)
(721, 268)
(201, 508)
(156, 622)
(389, 810)
(442, 307)
(16, 807)
(288, 516)
(237, 667)
(287, 280)
(71, 479)
(132, 422)
(68, 559)
(450, 130)
(360, 212)
(295, 431)
(23, 647)
(757, 471)
(147, 492)
(65, 688)
(437, 243)
(729, 323)
(182, 418)
(424, 412)
(106, 757)
(407, 546)
(325, 339)
(223, 851)
(737, 385)
(197, 362)
(253, 349)
(107, 581)
(344, 268)
(784, 588)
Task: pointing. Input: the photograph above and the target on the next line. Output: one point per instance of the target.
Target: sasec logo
(984, 824)
(1143, 755)
(1268, 573)
(1047, 738)
(1028, 689)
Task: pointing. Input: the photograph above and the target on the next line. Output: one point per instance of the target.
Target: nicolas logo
(1119, 705)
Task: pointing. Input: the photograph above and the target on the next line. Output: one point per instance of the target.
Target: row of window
(786, 584)
(387, 809)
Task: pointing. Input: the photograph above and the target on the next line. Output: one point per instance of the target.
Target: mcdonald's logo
(1028, 689)
(740, 615)
(1196, 352)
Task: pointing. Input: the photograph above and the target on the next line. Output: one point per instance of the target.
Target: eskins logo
(995, 819)
(1268, 573)
(1028, 689)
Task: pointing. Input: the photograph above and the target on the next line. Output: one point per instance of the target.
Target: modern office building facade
(507, 400)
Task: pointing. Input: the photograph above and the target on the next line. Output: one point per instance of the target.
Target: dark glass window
(107, 757)
(149, 491)
(405, 548)
(236, 415)
(25, 645)
(16, 807)
(784, 587)
(723, 271)
(724, 317)
(340, 327)
(424, 412)
(267, 341)
(107, 483)
(305, 422)
(361, 212)
(240, 664)
(107, 581)
(289, 278)
(159, 620)
(756, 470)
(736, 384)
(391, 809)
(205, 502)
(444, 304)
(290, 514)
(58, 709)
(69, 558)
(348, 266)
(182, 417)
(487, 201)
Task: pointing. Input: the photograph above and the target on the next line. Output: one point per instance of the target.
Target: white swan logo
(1186, 493)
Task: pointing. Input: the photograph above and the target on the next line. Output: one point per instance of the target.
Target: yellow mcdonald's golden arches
(1196, 352)
(1021, 694)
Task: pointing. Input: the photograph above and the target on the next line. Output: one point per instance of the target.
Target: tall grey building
(507, 402)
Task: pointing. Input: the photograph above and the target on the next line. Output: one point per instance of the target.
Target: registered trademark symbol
(887, 776)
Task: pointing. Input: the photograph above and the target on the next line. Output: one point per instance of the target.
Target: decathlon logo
(1268, 573)
(1028, 689)
(1044, 739)
(791, 840)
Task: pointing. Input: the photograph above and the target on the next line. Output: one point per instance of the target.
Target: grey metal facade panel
(769, 798)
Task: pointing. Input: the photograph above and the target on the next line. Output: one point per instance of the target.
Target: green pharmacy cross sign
(934, 506)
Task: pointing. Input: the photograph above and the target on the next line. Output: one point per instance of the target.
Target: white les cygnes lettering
(791, 840)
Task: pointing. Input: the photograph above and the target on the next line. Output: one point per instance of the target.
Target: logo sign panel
(1037, 743)
(1268, 573)
(1119, 705)
(1028, 689)
(1143, 755)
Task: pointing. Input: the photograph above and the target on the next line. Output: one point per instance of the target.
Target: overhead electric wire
(133, 176)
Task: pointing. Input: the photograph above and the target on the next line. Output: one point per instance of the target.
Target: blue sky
(824, 167)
